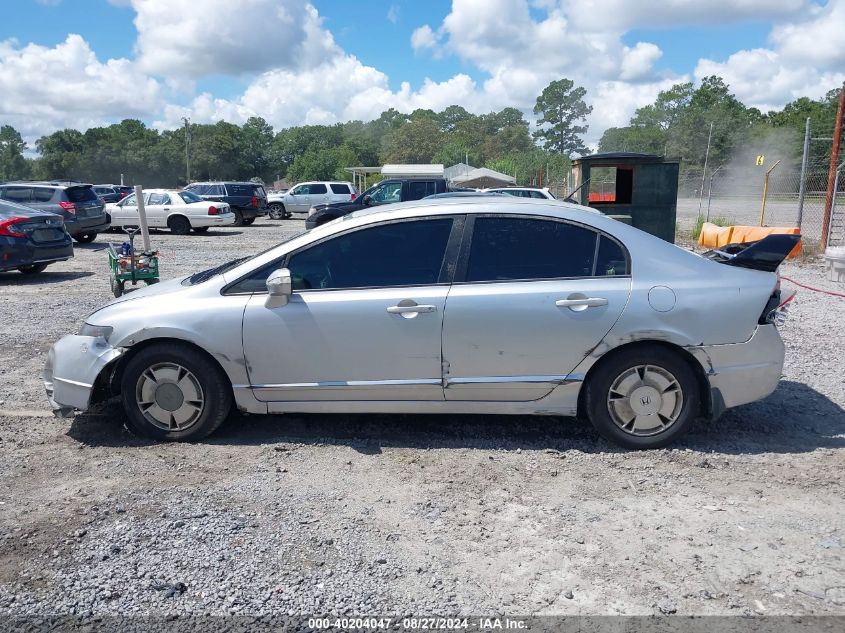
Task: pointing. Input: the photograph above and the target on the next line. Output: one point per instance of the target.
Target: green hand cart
(132, 267)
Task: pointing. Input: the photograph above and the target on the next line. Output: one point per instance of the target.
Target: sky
(83, 63)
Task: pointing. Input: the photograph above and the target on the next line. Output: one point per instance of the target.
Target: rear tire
(174, 393)
(247, 221)
(116, 287)
(200, 229)
(642, 398)
(179, 225)
(33, 269)
(85, 238)
(239, 218)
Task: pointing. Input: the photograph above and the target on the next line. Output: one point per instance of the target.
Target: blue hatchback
(30, 240)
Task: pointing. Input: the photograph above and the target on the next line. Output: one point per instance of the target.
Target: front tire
(642, 398)
(179, 225)
(277, 211)
(174, 392)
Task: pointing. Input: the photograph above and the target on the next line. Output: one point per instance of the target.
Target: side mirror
(279, 287)
(367, 200)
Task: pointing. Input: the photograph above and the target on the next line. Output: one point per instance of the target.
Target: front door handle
(166, 209)
(579, 302)
(410, 309)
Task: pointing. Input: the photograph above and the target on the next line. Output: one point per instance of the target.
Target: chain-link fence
(736, 195)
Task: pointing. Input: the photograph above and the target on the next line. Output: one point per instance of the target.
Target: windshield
(205, 275)
(189, 197)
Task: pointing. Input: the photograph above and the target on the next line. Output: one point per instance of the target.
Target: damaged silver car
(461, 306)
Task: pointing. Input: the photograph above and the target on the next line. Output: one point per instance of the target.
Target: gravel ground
(305, 514)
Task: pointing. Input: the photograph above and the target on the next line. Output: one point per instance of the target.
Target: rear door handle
(580, 303)
(410, 309)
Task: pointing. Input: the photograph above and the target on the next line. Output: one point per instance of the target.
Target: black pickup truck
(385, 192)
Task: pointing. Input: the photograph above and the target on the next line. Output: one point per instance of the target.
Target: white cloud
(176, 37)
(806, 59)
(67, 86)
(393, 14)
(423, 37)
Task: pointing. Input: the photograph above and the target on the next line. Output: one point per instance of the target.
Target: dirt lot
(413, 514)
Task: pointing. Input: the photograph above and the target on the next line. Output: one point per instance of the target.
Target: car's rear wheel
(85, 238)
(239, 218)
(278, 212)
(645, 397)
(179, 225)
(247, 221)
(174, 392)
(33, 269)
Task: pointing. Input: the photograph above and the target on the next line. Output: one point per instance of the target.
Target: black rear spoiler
(765, 254)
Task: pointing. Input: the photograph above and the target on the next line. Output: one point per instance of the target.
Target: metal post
(710, 190)
(834, 161)
(121, 180)
(766, 192)
(187, 154)
(801, 182)
(833, 204)
(704, 173)
(142, 217)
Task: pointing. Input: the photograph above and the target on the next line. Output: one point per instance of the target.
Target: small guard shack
(640, 189)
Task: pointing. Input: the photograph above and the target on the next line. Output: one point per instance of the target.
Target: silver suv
(303, 196)
(82, 209)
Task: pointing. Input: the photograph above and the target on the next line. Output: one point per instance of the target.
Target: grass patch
(719, 220)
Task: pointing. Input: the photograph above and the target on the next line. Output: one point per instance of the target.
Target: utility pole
(704, 173)
(187, 144)
(834, 163)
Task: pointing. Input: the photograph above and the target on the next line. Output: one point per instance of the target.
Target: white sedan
(179, 211)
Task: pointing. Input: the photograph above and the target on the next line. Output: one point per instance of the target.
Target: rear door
(532, 297)
(157, 208)
(419, 189)
(319, 195)
(340, 192)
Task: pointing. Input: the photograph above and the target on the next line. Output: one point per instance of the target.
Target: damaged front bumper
(740, 373)
(73, 365)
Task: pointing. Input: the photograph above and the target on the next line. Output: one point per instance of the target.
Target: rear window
(341, 189)
(189, 197)
(80, 194)
(245, 190)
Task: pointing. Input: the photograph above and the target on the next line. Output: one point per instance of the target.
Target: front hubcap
(169, 397)
(645, 400)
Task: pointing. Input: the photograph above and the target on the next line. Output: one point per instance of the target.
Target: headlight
(95, 330)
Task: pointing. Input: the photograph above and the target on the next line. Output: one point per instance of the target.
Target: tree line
(677, 125)
(499, 140)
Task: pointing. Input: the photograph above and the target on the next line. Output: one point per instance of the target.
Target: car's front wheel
(641, 398)
(174, 392)
(277, 211)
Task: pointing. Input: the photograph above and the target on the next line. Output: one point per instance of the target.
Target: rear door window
(21, 195)
(507, 248)
(340, 188)
(419, 189)
(159, 198)
(318, 188)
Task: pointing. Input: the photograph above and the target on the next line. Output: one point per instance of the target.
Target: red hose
(827, 292)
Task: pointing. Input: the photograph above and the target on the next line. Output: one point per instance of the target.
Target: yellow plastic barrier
(713, 236)
(742, 234)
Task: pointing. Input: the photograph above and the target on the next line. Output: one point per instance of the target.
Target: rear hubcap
(645, 400)
(169, 396)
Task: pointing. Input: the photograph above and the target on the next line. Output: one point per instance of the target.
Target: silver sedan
(463, 305)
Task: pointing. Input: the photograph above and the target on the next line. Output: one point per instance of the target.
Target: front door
(298, 199)
(535, 296)
(125, 213)
(364, 320)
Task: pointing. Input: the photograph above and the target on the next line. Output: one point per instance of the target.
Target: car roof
(47, 183)
(515, 189)
(224, 182)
